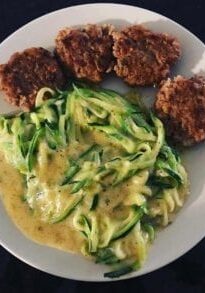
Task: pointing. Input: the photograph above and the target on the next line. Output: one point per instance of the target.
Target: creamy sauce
(50, 169)
(58, 235)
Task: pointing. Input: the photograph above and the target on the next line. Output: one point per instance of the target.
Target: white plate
(189, 226)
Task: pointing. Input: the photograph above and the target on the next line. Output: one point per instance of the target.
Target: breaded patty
(86, 53)
(27, 72)
(144, 57)
(180, 104)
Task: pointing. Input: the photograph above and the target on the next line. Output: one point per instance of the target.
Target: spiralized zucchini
(115, 180)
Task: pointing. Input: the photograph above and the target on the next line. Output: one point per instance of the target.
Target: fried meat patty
(26, 73)
(144, 57)
(86, 53)
(180, 104)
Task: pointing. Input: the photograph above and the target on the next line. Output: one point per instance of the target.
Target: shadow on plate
(117, 22)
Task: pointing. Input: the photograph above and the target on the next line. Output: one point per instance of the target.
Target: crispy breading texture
(26, 72)
(144, 57)
(180, 104)
(86, 53)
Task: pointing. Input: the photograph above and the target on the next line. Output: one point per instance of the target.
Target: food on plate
(86, 53)
(180, 104)
(144, 57)
(138, 55)
(26, 72)
(92, 174)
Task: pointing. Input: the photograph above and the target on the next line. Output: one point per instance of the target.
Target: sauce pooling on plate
(60, 235)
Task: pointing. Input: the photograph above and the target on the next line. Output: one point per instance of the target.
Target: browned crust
(180, 104)
(86, 53)
(144, 57)
(27, 72)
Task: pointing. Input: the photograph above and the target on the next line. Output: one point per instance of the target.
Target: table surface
(187, 274)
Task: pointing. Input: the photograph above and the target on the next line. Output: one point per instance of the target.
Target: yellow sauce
(58, 235)
(50, 170)
(61, 235)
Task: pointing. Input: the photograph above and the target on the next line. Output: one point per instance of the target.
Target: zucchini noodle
(114, 179)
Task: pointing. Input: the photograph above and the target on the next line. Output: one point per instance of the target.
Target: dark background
(187, 274)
